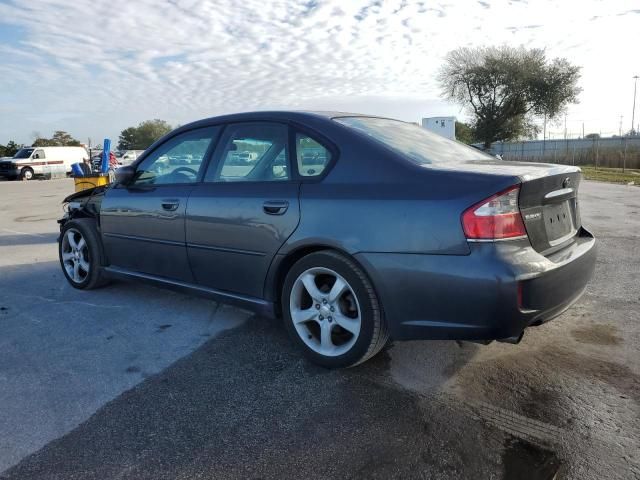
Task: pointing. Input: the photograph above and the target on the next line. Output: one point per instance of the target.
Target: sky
(93, 68)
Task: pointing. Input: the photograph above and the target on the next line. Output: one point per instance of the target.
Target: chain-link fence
(617, 152)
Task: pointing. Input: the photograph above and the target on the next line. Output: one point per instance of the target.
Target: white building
(445, 126)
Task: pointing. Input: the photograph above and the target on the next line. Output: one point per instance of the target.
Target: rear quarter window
(312, 157)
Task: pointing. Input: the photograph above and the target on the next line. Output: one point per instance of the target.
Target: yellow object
(83, 183)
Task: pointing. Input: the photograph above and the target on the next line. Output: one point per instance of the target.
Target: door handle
(170, 204)
(275, 207)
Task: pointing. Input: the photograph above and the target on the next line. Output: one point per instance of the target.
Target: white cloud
(94, 67)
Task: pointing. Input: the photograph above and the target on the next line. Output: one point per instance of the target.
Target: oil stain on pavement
(525, 461)
(597, 334)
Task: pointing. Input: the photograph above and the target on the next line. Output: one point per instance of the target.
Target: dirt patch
(597, 334)
(35, 218)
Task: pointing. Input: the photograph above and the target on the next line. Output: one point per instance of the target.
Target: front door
(245, 209)
(143, 223)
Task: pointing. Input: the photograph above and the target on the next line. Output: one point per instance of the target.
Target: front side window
(39, 154)
(417, 143)
(178, 160)
(252, 153)
(311, 156)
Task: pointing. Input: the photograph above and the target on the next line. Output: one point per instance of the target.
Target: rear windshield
(420, 145)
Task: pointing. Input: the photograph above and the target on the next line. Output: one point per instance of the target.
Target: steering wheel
(183, 170)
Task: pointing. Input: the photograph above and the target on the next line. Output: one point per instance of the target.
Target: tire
(81, 260)
(26, 173)
(333, 330)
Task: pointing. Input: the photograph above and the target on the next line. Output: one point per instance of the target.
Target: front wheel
(332, 311)
(80, 254)
(26, 173)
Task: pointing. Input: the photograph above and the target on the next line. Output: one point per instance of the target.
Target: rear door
(143, 224)
(245, 209)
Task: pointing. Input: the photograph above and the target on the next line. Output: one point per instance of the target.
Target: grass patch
(613, 175)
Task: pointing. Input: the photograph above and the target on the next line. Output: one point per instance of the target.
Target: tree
(10, 149)
(506, 89)
(127, 139)
(63, 139)
(592, 136)
(464, 133)
(60, 139)
(142, 136)
(44, 142)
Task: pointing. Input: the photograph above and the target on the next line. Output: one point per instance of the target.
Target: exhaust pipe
(514, 340)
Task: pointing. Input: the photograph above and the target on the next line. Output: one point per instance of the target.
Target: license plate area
(558, 220)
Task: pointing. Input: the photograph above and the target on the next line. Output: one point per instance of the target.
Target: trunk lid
(549, 208)
(548, 197)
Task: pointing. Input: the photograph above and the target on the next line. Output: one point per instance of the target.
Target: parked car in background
(29, 162)
(390, 231)
(129, 156)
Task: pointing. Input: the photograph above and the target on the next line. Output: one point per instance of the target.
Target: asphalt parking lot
(131, 381)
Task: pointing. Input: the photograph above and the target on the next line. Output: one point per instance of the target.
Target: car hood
(526, 171)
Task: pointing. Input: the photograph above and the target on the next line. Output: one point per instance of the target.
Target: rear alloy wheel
(26, 173)
(80, 254)
(332, 311)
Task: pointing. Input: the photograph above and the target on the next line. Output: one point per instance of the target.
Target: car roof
(281, 115)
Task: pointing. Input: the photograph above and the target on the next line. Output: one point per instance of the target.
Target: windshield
(420, 145)
(24, 153)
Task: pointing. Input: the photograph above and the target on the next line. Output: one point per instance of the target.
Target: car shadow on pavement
(246, 405)
(27, 239)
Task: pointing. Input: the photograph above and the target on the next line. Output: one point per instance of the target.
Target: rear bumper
(495, 292)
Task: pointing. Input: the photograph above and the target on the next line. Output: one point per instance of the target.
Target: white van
(31, 161)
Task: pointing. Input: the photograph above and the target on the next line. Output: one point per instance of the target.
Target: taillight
(496, 218)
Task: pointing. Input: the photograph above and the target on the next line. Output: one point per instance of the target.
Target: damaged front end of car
(83, 204)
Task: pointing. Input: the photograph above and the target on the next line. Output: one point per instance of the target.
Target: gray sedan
(355, 229)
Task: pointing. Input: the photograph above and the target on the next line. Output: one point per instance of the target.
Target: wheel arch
(90, 222)
(282, 263)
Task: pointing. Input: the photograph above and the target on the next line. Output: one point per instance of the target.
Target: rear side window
(252, 153)
(418, 144)
(311, 156)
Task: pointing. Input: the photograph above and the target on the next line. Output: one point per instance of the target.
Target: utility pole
(633, 112)
(583, 129)
(620, 129)
(566, 140)
(544, 135)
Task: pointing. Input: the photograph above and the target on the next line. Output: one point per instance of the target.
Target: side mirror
(36, 156)
(124, 175)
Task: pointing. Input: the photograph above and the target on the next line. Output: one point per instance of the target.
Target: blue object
(104, 166)
(77, 170)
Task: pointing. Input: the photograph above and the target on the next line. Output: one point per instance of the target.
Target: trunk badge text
(533, 216)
